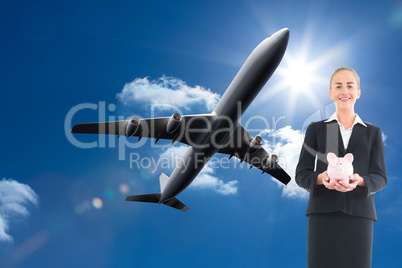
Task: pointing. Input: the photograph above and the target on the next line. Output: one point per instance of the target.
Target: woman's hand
(323, 179)
(343, 186)
(360, 181)
(354, 180)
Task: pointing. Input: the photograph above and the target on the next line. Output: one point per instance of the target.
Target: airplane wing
(239, 146)
(169, 128)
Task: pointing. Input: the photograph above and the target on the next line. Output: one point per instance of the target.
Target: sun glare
(303, 78)
(299, 75)
(304, 73)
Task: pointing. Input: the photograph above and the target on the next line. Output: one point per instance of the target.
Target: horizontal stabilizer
(154, 198)
(175, 203)
(150, 198)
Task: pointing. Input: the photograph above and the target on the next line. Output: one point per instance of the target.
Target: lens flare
(97, 203)
(109, 194)
(124, 188)
(82, 207)
(79, 209)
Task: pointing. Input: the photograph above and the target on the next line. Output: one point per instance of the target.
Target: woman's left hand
(355, 180)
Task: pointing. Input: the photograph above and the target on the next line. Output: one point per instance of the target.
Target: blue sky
(63, 206)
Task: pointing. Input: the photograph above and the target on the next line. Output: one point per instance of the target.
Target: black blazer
(367, 147)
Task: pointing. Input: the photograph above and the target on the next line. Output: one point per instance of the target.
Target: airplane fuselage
(248, 82)
(207, 134)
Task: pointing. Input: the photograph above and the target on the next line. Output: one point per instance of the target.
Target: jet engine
(255, 143)
(173, 123)
(133, 126)
(269, 162)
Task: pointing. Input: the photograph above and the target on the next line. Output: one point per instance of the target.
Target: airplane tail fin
(155, 198)
(163, 179)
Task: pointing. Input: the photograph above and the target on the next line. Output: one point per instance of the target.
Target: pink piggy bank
(341, 168)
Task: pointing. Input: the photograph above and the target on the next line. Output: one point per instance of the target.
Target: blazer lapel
(357, 133)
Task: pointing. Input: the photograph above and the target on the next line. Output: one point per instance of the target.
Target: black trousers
(338, 240)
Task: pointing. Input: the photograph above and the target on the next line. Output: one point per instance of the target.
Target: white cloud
(166, 91)
(384, 137)
(207, 181)
(14, 197)
(206, 178)
(286, 143)
(173, 154)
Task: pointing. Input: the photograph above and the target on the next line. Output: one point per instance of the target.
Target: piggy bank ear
(349, 157)
(331, 157)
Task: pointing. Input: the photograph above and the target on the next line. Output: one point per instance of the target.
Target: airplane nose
(254, 73)
(282, 35)
(270, 51)
(284, 32)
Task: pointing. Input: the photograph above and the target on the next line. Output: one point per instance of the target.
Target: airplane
(207, 134)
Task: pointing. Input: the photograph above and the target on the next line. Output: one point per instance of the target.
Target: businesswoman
(341, 215)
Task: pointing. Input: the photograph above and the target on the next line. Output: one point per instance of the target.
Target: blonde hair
(346, 69)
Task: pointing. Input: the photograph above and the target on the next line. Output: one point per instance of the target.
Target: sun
(302, 77)
(304, 72)
(299, 74)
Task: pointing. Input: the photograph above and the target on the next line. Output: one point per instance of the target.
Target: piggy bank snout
(340, 169)
(336, 167)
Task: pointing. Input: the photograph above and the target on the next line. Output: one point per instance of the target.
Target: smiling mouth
(344, 99)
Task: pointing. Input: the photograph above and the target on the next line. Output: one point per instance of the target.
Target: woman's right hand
(323, 179)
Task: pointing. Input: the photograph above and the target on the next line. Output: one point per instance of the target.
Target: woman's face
(344, 90)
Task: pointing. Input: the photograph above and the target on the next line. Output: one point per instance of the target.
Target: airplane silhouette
(207, 134)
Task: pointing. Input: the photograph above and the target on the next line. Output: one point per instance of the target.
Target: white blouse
(346, 133)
